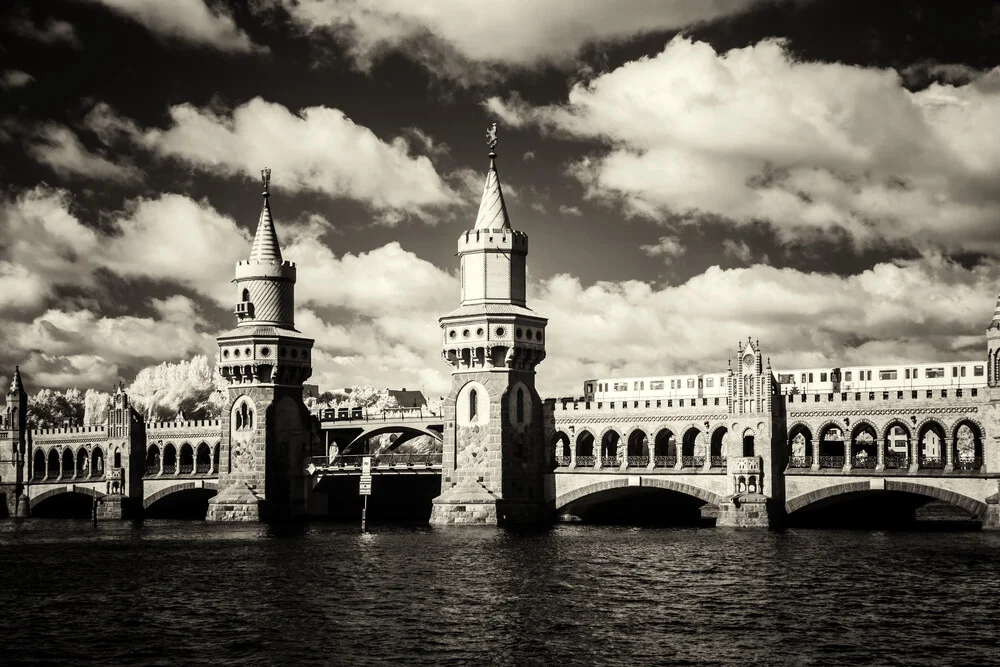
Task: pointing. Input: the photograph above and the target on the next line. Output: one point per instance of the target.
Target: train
(886, 377)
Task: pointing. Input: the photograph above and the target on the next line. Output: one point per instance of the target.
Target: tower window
(473, 404)
(246, 295)
(520, 405)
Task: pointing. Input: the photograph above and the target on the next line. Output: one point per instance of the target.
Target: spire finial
(491, 140)
(265, 178)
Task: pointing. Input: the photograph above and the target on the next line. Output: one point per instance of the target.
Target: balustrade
(585, 461)
(864, 462)
(203, 468)
(638, 461)
(563, 461)
(718, 462)
(968, 464)
(185, 469)
(664, 461)
(896, 461)
(800, 462)
(931, 462)
(692, 461)
(609, 461)
(151, 472)
(831, 462)
(169, 468)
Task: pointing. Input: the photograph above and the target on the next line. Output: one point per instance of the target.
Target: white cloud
(753, 134)
(318, 149)
(53, 32)
(14, 78)
(426, 142)
(459, 39)
(191, 21)
(528, 155)
(738, 250)
(570, 210)
(538, 206)
(668, 247)
(58, 147)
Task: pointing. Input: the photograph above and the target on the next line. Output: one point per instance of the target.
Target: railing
(67, 474)
(186, 468)
(37, 474)
(800, 462)
(718, 462)
(585, 461)
(169, 468)
(831, 462)
(969, 464)
(202, 468)
(563, 461)
(96, 473)
(151, 471)
(664, 461)
(864, 462)
(638, 461)
(896, 461)
(692, 461)
(609, 462)
(931, 462)
(348, 461)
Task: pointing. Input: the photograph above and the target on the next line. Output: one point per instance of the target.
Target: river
(174, 592)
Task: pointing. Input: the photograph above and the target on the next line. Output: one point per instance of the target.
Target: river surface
(172, 592)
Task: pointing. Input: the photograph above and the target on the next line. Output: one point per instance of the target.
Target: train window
(590, 389)
(672, 384)
(975, 392)
(691, 383)
(954, 371)
(642, 385)
(656, 385)
(916, 373)
(869, 375)
(977, 371)
(709, 382)
(907, 373)
(810, 377)
(888, 375)
(847, 376)
(934, 373)
(822, 377)
(962, 372)
(717, 400)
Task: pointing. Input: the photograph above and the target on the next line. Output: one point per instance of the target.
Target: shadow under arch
(184, 500)
(61, 503)
(896, 504)
(657, 501)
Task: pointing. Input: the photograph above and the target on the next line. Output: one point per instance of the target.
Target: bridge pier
(111, 507)
(751, 510)
(991, 519)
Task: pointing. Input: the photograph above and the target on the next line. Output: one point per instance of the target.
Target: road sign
(366, 466)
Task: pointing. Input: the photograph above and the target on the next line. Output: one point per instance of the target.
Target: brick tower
(993, 354)
(14, 455)
(264, 361)
(494, 453)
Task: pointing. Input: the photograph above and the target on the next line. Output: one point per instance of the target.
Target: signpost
(365, 487)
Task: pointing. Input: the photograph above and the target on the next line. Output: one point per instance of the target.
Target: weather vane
(265, 177)
(491, 138)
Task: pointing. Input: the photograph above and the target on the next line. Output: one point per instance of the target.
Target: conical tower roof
(996, 315)
(265, 242)
(492, 209)
(15, 384)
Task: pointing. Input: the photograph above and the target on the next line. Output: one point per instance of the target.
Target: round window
(451, 334)
(247, 352)
(501, 331)
(265, 351)
(538, 335)
(519, 333)
(479, 331)
(225, 354)
(465, 333)
(236, 353)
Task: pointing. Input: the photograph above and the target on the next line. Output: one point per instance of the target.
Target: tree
(54, 409)
(95, 405)
(192, 387)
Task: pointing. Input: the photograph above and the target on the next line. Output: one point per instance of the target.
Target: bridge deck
(384, 464)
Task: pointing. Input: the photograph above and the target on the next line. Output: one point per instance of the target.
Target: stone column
(848, 463)
(880, 449)
(915, 454)
(949, 454)
(572, 454)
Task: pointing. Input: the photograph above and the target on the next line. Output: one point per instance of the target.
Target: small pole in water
(364, 514)
(94, 512)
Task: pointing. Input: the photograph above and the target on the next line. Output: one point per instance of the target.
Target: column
(572, 454)
(880, 449)
(949, 454)
(915, 453)
(848, 463)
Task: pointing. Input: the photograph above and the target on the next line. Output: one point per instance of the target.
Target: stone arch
(562, 447)
(411, 431)
(967, 444)
(931, 436)
(177, 488)
(472, 405)
(975, 507)
(68, 463)
(169, 459)
(804, 448)
(153, 460)
(97, 464)
(60, 490)
(896, 446)
(717, 445)
(38, 465)
(637, 442)
(610, 442)
(585, 443)
(664, 443)
(664, 483)
(828, 446)
(203, 459)
(689, 442)
(864, 450)
(52, 463)
(82, 462)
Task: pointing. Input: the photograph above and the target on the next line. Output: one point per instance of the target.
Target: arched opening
(215, 459)
(169, 459)
(930, 445)
(562, 449)
(519, 409)
(53, 465)
(118, 458)
(184, 504)
(38, 467)
(67, 464)
(665, 449)
(203, 464)
(864, 508)
(609, 449)
(97, 462)
(864, 447)
(63, 506)
(692, 451)
(473, 404)
(831, 447)
(585, 449)
(748, 443)
(82, 463)
(717, 447)
(186, 466)
(968, 453)
(152, 461)
(802, 448)
(638, 449)
(897, 446)
(637, 506)
(245, 297)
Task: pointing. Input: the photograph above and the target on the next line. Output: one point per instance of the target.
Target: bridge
(350, 435)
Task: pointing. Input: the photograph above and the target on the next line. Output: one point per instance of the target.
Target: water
(170, 592)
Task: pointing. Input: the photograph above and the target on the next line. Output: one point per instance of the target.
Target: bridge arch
(61, 490)
(967, 443)
(830, 439)
(864, 444)
(561, 446)
(180, 487)
(664, 441)
(975, 507)
(38, 465)
(803, 448)
(931, 438)
(717, 444)
(610, 442)
(412, 431)
(637, 442)
(585, 441)
(622, 482)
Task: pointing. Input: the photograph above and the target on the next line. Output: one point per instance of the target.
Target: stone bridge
(349, 435)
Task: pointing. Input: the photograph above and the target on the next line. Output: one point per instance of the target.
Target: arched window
(246, 295)
(244, 417)
(520, 405)
(473, 404)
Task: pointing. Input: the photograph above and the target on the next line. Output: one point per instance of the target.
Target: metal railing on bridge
(384, 461)
(716, 462)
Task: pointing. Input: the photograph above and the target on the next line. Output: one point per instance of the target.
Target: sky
(821, 175)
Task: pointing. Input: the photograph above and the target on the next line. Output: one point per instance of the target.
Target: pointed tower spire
(492, 210)
(996, 315)
(265, 242)
(15, 384)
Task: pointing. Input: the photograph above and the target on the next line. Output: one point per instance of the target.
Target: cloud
(53, 32)
(58, 147)
(191, 21)
(462, 39)
(570, 210)
(538, 206)
(921, 74)
(668, 247)
(14, 78)
(738, 250)
(318, 149)
(426, 142)
(811, 148)
(528, 155)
